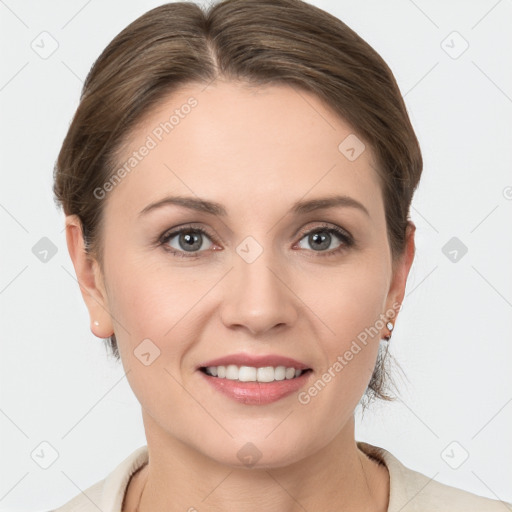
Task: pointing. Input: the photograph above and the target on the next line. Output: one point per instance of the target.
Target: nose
(258, 296)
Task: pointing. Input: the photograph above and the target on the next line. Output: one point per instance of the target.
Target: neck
(337, 477)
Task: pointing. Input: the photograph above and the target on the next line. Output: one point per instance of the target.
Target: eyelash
(345, 238)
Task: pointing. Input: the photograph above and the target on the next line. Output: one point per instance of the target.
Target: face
(262, 269)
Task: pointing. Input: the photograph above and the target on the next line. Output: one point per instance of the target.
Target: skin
(256, 151)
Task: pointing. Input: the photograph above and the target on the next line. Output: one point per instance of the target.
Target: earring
(390, 326)
(96, 323)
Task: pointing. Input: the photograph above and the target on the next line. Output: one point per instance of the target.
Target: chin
(256, 452)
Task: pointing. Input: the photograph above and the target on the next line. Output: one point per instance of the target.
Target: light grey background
(453, 337)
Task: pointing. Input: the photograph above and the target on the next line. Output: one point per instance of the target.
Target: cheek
(349, 300)
(350, 308)
(152, 311)
(150, 297)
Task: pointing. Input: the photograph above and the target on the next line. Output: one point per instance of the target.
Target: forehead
(243, 146)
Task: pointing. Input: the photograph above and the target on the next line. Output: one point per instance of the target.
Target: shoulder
(411, 491)
(85, 501)
(107, 495)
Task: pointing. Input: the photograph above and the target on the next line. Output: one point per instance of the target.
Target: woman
(237, 186)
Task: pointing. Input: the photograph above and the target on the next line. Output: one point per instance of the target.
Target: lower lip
(257, 393)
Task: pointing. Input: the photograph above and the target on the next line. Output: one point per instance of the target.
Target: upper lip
(256, 361)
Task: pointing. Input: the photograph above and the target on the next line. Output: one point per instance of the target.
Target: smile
(253, 374)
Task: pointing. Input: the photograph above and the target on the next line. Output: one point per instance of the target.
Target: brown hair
(252, 41)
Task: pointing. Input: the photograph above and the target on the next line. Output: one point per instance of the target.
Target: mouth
(264, 374)
(255, 379)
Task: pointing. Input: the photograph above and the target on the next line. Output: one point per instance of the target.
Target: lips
(255, 392)
(256, 361)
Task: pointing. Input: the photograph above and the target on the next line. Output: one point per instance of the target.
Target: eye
(185, 240)
(190, 241)
(322, 238)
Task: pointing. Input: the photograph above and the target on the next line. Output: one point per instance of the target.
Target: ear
(401, 270)
(90, 279)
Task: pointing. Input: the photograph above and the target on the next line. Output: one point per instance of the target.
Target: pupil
(191, 241)
(317, 237)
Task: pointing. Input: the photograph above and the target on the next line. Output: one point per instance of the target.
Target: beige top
(410, 491)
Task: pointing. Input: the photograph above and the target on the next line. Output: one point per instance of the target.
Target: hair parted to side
(257, 42)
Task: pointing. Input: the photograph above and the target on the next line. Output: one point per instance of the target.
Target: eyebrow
(298, 208)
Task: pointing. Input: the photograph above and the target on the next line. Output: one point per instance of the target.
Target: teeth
(232, 372)
(265, 374)
(289, 373)
(252, 374)
(245, 374)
